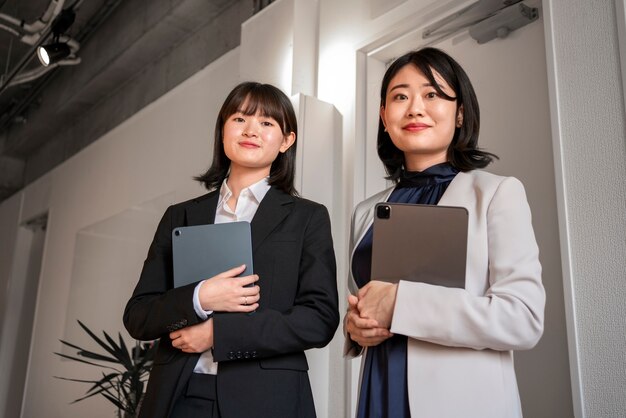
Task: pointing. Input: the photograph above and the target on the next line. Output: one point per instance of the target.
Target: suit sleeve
(509, 316)
(155, 308)
(310, 322)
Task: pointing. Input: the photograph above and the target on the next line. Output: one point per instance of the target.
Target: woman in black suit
(215, 359)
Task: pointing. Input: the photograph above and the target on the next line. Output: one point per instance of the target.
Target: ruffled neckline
(439, 173)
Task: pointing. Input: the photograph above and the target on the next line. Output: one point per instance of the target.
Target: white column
(588, 129)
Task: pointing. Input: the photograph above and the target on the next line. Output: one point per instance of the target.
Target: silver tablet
(203, 251)
(421, 243)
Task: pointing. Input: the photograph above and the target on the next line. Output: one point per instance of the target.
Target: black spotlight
(49, 54)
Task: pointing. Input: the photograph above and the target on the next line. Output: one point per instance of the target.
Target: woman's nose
(416, 108)
(250, 129)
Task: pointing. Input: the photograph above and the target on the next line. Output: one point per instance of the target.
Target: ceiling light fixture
(49, 54)
(57, 51)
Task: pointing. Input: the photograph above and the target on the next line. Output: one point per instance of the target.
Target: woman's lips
(415, 127)
(247, 144)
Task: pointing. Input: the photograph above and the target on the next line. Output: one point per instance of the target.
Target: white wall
(9, 225)
(587, 106)
(9, 221)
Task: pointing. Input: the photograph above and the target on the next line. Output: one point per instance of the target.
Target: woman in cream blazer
(459, 342)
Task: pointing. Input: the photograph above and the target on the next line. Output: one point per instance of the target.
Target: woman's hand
(227, 293)
(195, 338)
(365, 332)
(376, 301)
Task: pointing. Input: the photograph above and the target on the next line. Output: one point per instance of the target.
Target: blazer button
(231, 355)
(239, 355)
(253, 354)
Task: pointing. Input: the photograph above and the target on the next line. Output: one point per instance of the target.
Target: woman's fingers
(250, 299)
(195, 338)
(247, 280)
(247, 308)
(234, 272)
(361, 326)
(364, 331)
(370, 336)
(352, 302)
(364, 322)
(225, 292)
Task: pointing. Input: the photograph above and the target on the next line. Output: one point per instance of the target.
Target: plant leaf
(123, 388)
(115, 402)
(124, 348)
(72, 345)
(97, 339)
(96, 356)
(80, 360)
(74, 380)
(90, 354)
(120, 354)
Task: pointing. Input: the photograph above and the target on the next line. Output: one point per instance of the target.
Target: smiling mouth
(415, 127)
(246, 144)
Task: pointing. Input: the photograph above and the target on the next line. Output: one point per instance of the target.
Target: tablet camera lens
(383, 212)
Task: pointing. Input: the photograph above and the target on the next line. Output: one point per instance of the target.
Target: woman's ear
(288, 141)
(459, 117)
(382, 117)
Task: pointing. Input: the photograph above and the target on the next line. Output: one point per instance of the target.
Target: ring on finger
(245, 300)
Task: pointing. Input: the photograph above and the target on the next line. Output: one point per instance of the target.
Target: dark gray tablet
(420, 243)
(203, 251)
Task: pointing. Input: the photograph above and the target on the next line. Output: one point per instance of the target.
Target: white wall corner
(279, 45)
(267, 41)
(318, 176)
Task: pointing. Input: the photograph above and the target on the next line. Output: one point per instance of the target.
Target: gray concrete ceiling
(131, 52)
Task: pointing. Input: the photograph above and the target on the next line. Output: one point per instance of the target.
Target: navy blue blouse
(383, 390)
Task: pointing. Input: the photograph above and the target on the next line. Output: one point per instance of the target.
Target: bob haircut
(463, 152)
(268, 101)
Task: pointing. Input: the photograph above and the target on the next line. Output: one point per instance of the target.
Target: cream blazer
(461, 341)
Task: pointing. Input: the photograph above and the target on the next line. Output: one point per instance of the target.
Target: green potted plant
(125, 371)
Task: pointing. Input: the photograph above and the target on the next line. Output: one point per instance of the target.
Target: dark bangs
(445, 70)
(262, 98)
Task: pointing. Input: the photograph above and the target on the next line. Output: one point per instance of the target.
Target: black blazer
(262, 366)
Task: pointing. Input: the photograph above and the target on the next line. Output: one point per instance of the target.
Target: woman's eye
(267, 123)
(238, 119)
(400, 96)
(431, 95)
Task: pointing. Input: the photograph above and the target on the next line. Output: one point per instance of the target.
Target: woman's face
(252, 142)
(419, 121)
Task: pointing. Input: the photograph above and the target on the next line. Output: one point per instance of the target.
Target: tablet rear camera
(383, 212)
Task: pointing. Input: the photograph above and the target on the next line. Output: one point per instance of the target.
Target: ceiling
(130, 53)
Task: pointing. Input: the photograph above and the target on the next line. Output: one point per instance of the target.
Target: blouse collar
(436, 174)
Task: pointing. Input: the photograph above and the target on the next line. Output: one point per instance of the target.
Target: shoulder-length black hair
(268, 101)
(463, 152)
